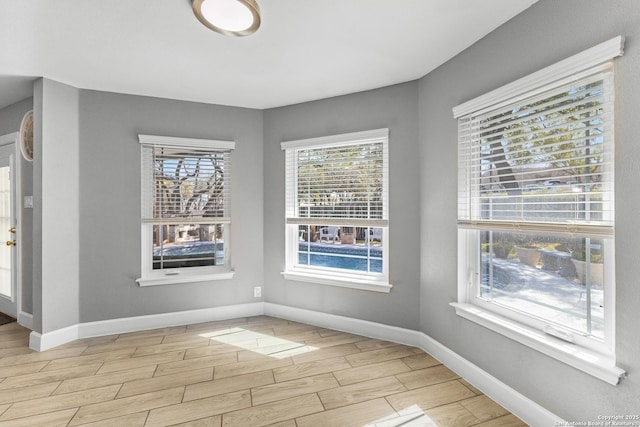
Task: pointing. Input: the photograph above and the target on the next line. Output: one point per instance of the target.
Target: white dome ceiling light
(229, 17)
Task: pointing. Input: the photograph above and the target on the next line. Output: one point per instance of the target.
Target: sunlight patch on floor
(266, 345)
(412, 416)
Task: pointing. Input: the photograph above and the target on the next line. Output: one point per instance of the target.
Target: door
(8, 229)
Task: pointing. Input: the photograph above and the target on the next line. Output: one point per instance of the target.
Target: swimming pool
(348, 257)
(188, 254)
(331, 255)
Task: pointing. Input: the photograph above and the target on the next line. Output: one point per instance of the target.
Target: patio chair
(375, 234)
(329, 233)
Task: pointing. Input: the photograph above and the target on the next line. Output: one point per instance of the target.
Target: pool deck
(551, 296)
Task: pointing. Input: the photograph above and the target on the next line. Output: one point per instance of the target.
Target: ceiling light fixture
(229, 17)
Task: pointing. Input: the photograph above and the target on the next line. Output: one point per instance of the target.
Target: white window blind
(338, 182)
(543, 163)
(186, 184)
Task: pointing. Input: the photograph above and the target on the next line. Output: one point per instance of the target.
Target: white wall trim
(516, 403)
(9, 138)
(553, 73)
(174, 141)
(25, 319)
(524, 408)
(337, 140)
(599, 365)
(46, 341)
(344, 324)
(170, 279)
(322, 278)
(164, 320)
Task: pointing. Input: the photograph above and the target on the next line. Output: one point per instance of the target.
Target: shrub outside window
(336, 210)
(185, 209)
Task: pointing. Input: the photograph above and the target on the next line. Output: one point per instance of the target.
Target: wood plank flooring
(258, 371)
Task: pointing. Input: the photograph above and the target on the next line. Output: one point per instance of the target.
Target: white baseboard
(519, 405)
(345, 324)
(516, 403)
(25, 319)
(165, 320)
(46, 341)
(524, 408)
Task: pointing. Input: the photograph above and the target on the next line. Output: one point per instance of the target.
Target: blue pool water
(188, 254)
(348, 257)
(188, 248)
(358, 264)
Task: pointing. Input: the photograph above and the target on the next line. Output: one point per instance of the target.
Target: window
(536, 211)
(337, 229)
(186, 209)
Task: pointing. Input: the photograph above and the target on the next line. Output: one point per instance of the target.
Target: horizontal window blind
(545, 162)
(338, 183)
(186, 185)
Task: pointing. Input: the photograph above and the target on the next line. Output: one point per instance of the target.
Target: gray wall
(11, 116)
(110, 203)
(10, 120)
(394, 107)
(549, 31)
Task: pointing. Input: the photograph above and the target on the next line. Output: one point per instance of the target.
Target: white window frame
(378, 282)
(151, 277)
(596, 359)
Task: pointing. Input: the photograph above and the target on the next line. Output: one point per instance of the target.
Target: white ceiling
(304, 50)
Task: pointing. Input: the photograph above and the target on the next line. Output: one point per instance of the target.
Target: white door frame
(14, 138)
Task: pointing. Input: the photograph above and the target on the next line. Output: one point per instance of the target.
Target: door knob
(11, 242)
(12, 230)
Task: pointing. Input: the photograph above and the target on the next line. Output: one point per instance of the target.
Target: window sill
(173, 279)
(344, 281)
(598, 365)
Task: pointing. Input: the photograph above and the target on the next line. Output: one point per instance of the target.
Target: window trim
(377, 282)
(150, 277)
(560, 72)
(593, 363)
(598, 362)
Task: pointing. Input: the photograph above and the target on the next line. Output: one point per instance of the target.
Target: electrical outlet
(257, 292)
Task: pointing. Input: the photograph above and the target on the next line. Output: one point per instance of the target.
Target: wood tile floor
(256, 371)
